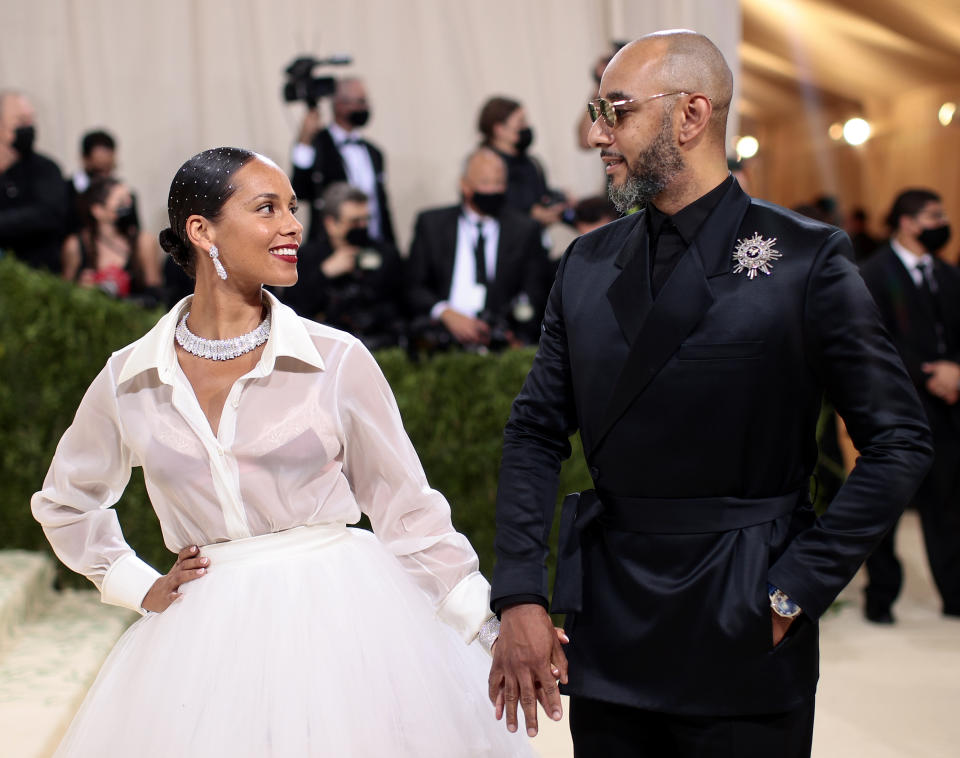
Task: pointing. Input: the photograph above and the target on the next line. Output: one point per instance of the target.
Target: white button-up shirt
(311, 435)
(467, 296)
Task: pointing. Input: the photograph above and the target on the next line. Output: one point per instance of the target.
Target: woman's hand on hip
(190, 565)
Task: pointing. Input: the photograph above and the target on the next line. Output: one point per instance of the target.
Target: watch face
(783, 605)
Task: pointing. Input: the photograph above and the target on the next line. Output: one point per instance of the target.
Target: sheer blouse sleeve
(409, 517)
(89, 472)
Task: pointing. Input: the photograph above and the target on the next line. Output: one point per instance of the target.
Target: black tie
(480, 254)
(929, 289)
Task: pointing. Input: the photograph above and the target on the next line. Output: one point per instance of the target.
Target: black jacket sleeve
(536, 442)
(854, 360)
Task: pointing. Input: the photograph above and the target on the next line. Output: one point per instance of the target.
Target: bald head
(680, 59)
(485, 171)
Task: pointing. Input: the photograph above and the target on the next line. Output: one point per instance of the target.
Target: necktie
(480, 254)
(928, 285)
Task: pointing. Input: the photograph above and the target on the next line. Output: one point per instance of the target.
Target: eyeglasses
(608, 108)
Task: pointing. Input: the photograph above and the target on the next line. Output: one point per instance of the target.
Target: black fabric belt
(700, 515)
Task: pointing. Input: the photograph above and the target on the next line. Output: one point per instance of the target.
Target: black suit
(697, 411)
(911, 318)
(328, 168)
(33, 211)
(521, 264)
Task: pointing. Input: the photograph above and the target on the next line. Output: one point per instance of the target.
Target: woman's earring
(215, 257)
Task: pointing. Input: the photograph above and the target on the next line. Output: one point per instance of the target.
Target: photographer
(346, 279)
(337, 153)
(477, 271)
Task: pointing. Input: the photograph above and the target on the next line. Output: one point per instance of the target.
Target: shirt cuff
(303, 156)
(127, 582)
(437, 310)
(467, 606)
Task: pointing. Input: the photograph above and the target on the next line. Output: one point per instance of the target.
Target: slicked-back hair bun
(201, 187)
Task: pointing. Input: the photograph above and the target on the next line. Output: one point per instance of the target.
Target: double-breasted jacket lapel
(661, 324)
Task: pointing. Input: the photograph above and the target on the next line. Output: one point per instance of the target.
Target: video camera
(303, 85)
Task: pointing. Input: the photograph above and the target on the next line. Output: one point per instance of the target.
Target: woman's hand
(189, 566)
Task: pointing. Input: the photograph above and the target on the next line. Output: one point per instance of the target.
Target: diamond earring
(215, 257)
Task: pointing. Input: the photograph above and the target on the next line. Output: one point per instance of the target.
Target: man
(33, 200)
(479, 267)
(339, 154)
(919, 300)
(98, 158)
(691, 344)
(347, 279)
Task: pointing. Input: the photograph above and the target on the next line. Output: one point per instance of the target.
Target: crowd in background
(476, 274)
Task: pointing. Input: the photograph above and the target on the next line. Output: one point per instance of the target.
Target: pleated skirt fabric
(311, 642)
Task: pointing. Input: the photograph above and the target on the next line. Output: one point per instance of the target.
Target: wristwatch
(781, 604)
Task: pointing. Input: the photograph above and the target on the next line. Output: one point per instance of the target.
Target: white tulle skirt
(311, 642)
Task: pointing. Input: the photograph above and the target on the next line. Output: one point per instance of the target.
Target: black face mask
(23, 137)
(934, 239)
(358, 118)
(524, 139)
(359, 236)
(488, 203)
(126, 218)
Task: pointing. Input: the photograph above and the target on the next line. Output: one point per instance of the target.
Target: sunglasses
(609, 109)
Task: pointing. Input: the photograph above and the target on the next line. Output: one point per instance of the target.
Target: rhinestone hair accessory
(221, 350)
(215, 257)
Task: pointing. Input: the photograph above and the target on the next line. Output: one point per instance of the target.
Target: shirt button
(220, 450)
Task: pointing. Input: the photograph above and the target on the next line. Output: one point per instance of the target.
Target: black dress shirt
(670, 236)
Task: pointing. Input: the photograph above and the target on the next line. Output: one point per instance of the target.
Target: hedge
(55, 337)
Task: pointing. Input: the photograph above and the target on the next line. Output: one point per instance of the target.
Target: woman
(504, 128)
(110, 251)
(278, 631)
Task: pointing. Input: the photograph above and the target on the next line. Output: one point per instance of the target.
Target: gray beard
(650, 174)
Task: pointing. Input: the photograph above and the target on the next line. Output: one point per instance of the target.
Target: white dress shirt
(467, 296)
(356, 162)
(914, 263)
(311, 435)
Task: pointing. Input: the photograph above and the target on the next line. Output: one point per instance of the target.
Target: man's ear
(695, 116)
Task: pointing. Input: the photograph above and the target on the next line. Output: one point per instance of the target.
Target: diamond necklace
(221, 350)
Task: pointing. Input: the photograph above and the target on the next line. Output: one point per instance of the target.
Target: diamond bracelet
(488, 633)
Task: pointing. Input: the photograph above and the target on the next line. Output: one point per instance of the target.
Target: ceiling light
(856, 131)
(747, 147)
(836, 131)
(947, 110)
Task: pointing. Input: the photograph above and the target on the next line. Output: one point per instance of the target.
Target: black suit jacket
(697, 412)
(328, 168)
(910, 319)
(33, 211)
(521, 262)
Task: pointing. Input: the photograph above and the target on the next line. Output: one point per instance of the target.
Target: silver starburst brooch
(754, 254)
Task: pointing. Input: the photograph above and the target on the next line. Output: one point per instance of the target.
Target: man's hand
(527, 661)
(166, 589)
(546, 215)
(310, 126)
(944, 380)
(467, 330)
(343, 261)
(780, 626)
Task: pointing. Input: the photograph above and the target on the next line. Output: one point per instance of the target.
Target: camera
(303, 85)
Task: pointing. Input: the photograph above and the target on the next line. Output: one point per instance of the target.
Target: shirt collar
(341, 135)
(475, 218)
(690, 218)
(288, 337)
(909, 259)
